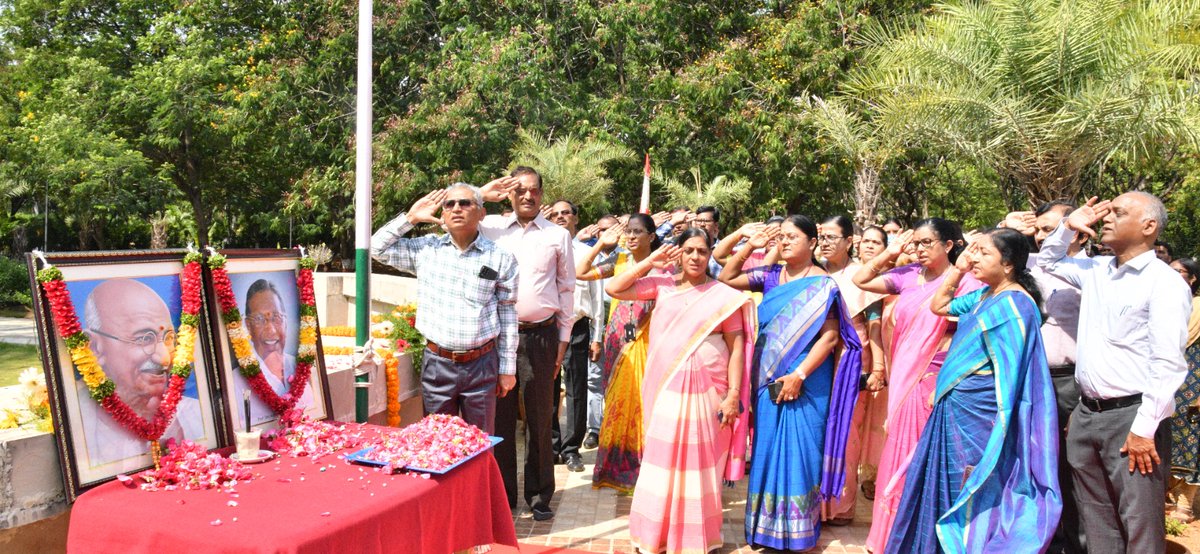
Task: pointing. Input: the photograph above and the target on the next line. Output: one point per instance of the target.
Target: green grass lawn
(14, 358)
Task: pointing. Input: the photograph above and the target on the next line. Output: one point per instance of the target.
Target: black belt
(522, 326)
(1066, 370)
(1105, 404)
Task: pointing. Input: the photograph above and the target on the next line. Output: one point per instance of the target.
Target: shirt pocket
(1127, 323)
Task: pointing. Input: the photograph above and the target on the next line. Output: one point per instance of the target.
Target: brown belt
(522, 326)
(461, 356)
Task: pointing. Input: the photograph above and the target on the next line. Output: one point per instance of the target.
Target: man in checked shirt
(466, 303)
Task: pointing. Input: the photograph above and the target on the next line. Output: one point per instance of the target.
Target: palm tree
(571, 168)
(1042, 91)
(846, 132)
(727, 193)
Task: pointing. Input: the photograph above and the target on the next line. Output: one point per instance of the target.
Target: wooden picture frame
(117, 297)
(270, 276)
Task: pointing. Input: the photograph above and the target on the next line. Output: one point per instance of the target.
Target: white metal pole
(362, 197)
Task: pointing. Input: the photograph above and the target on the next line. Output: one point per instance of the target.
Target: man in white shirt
(1129, 362)
(587, 333)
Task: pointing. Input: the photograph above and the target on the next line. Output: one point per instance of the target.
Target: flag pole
(362, 201)
(645, 205)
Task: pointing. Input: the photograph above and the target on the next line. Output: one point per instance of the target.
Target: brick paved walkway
(598, 520)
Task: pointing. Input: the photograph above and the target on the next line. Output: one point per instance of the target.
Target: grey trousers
(466, 389)
(1069, 537)
(1121, 511)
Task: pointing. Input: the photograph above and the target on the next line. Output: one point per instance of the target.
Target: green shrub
(1175, 527)
(14, 283)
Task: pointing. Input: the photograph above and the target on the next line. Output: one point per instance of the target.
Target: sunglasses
(458, 202)
(562, 213)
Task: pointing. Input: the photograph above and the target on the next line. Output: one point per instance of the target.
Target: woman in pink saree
(693, 398)
(918, 347)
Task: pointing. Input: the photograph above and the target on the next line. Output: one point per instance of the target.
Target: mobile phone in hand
(775, 388)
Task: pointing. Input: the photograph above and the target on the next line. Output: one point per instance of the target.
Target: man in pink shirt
(545, 308)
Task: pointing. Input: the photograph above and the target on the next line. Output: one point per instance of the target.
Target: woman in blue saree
(983, 477)
(800, 430)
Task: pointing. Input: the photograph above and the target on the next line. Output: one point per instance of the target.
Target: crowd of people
(995, 391)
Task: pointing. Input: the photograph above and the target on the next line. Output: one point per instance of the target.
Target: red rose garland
(239, 338)
(101, 388)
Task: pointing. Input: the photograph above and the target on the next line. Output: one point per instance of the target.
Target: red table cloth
(302, 505)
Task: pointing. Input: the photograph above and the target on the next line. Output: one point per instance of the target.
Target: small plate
(263, 455)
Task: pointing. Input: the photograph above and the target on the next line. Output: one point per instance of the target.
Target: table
(301, 505)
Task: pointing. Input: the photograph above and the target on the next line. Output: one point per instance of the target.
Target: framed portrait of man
(265, 288)
(129, 305)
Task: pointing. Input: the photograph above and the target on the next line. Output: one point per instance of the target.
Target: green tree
(571, 168)
(1039, 90)
(728, 193)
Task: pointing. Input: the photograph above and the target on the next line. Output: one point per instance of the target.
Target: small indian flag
(645, 207)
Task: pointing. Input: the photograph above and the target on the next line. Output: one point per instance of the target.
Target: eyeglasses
(829, 238)
(258, 320)
(561, 213)
(146, 340)
(926, 243)
(457, 202)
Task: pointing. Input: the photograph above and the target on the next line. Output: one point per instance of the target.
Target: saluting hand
(666, 255)
(896, 247)
(1021, 222)
(612, 236)
(425, 209)
(966, 260)
(763, 237)
(498, 189)
(1083, 218)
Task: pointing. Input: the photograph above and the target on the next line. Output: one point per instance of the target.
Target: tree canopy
(127, 121)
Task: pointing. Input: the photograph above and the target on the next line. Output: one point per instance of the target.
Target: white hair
(1152, 208)
(91, 313)
(474, 191)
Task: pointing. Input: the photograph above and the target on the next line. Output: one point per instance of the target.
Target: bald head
(133, 337)
(1133, 224)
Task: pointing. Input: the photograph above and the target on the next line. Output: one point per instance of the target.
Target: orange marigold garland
(100, 387)
(392, 368)
(240, 338)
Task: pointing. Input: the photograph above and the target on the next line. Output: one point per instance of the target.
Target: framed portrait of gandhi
(130, 307)
(277, 337)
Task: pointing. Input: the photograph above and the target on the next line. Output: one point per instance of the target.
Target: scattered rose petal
(231, 503)
(124, 478)
(324, 514)
(215, 522)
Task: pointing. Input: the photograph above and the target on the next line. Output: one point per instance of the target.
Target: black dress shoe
(591, 441)
(558, 460)
(574, 462)
(542, 514)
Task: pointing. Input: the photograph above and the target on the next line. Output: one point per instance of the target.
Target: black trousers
(1068, 537)
(1122, 512)
(536, 352)
(569, 437)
